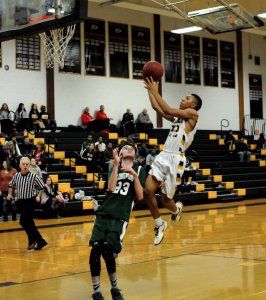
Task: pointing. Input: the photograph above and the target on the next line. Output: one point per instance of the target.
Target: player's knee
(95, 259)
(148, 193)
(108, 256)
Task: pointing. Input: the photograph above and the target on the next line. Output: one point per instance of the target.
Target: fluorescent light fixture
(262, 14)
(186, 29)
(206, 11)
(52, 10)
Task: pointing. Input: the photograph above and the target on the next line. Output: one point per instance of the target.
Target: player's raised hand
(150, 85)
(116, 156)
(129, 170)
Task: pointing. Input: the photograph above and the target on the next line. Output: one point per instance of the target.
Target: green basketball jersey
(119, 204)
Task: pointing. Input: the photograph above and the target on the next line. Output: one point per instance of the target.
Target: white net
(55, 45)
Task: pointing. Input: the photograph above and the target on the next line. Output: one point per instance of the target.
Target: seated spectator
(50, 199)
(130, 139)
(230, 139)
(35, 116)
(105, 121)
(89, 155)
(88, 121)
(261, 142)
(13, 138)
(6, 123)
(142, 152)
(100, 141)
(242, 150)
(5, 177)
(10, 153)
(144, 123)
(49, 124)
(150, 159)
(34, 168)
(39, 155)
(99, 159)
(108, 156)
(20, 116)
(189, 171)
(128, 123)
(88, 141)
(27, 147)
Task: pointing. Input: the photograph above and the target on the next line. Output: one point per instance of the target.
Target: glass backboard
(220, 19)
(20, 18)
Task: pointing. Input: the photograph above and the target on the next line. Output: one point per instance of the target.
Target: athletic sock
(176, 212)
(96, 285)
(158, 222)
(113, 281)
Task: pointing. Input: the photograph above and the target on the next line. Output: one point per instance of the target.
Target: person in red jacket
(101, 115)
(87, 120)
(86, 117)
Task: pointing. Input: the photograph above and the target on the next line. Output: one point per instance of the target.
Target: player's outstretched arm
(167, 110)
(137, 185)
(156, 107)
(113, 178)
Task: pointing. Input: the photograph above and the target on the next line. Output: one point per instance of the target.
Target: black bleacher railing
(54, 148)
(222, 125)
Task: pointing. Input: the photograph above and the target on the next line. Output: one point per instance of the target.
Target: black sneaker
(41, 245)
(116, 295)
(97, 296)
(31, 245)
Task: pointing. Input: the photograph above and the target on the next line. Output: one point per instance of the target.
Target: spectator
(142, 152)
(89, 155)
(11, 154)
(242, 150)
(5, 177)
(230, 139)
(105, 121)
(13, 138)
(35, 116)
(50, 124)
(108, 156)
(6, 124)
(49, 198)
(189, 171)
(99, 158)
(144, 123)
(39, 155)
(128, 123)
(88, 121)
(150, 159)
(88, 141)
(261, 142)
(34, 168)
(100, 141)
(20, 114)
(26, 148)
(130, 139)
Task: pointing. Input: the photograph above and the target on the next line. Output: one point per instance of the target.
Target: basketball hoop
(55, 45)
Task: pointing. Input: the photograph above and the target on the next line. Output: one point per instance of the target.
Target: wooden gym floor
(217, 251)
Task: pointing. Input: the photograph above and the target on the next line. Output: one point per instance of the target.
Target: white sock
(158, 222)
(175, 213)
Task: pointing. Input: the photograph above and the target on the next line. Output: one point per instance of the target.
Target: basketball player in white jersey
(168, 166)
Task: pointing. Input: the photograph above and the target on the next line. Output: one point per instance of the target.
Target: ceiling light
(262, 14)
(186, 29)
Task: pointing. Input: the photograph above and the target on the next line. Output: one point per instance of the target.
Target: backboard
(224, 19)
(20, 18)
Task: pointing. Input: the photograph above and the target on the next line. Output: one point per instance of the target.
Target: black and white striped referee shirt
(27, 185)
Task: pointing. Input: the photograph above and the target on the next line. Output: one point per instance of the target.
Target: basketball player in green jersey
(126, 182)
(168, 167)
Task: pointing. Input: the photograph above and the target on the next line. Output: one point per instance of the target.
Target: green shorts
(110, 230)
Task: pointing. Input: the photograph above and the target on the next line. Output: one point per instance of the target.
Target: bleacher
(220, 176)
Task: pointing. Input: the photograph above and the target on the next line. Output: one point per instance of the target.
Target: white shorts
(168, 168)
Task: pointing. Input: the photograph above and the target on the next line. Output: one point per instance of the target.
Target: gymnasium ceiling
(253, 6)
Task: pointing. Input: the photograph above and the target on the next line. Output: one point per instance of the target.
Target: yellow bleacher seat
(153, 141)
(221, 141)
(161, 146)
(262, 163)
(240, 192)
(112, 136)
(229, 185)
(196, 164)
(217, 178)
(59, 155)
(252, 157)
(54, 178)
(101, 184)
(36, 140)
(205, 172)
(2, 140)
(73, 162)
(81, 169)
(63, 186)
(212, 195)
(143, 136)
(253, 147)
(87, 204)
(263, 152)
(212, 136)
(90, 176)
(51, 148)
(200, 187)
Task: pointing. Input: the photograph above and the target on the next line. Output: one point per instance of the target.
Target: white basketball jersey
(179, 139)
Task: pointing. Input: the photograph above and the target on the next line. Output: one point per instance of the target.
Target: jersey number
(122, 188)
(175, 128)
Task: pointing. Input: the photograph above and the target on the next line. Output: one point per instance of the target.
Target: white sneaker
(58, 131)
(159, 232)
(175, 218)
(193, 183)
(188, 183)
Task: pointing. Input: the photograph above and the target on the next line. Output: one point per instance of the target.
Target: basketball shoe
(116, 295)
(97, 296)
(159, 232)
(175, 218)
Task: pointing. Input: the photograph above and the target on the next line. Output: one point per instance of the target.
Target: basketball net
(55, 45)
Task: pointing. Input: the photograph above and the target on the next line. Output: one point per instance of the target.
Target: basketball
(152, 69)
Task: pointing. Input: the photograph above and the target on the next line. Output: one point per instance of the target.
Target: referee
(27, 185)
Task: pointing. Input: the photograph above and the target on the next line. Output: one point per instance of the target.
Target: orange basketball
(152, 69)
